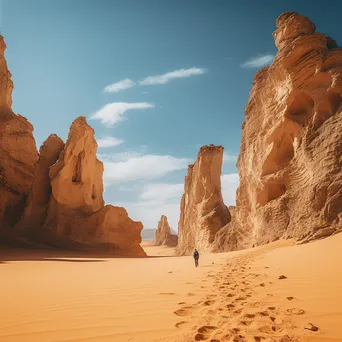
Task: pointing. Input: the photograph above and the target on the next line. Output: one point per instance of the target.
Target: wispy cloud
(227, 158)
(119, 86)
(109, 142)
(162, 79)
(258, 61)
(160, 192)
(112, 113)
(135, 167)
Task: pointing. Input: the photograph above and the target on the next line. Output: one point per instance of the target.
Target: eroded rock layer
(290, 162)
(203, 212)
(164, 237)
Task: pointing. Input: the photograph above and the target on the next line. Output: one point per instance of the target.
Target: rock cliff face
(290, 162)
(203, 212)
(18, 154)
(56, 200)
(164, 237)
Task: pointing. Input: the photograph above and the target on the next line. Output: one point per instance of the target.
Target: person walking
(196, 257)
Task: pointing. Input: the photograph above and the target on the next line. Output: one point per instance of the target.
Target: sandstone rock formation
(203, 212)
(164, 237)
(18, 154)
(76, 211)
(290, 162)
(56, 200)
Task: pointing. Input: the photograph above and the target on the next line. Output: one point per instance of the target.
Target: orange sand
(230, 297)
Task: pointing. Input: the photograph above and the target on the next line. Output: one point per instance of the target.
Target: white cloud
(119, 86)
(229, 158)
(108, 142)
(113, 113)
(161, 192)
(162, 79)
(229, 184)
(258, 61)
(132, 167)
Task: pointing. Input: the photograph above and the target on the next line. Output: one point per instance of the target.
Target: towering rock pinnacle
(18, 153)
(203, 212)
(164, 237)
(76, 212)
(290, 163)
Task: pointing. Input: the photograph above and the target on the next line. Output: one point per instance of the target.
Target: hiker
(196, 257)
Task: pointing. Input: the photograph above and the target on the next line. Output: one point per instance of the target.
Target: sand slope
(230, 297)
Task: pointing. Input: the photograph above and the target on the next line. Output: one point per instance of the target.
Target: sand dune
(230, 297)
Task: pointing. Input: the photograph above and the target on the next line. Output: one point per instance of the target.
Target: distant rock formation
(18, 154)
(164, 237)
(290, 162)
(56, 199)
(203, 212)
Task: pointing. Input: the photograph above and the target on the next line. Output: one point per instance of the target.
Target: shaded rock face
(164, 237)
(202, 212)
(290, 162)
(39, 196)
(18, 154)
(56, 199)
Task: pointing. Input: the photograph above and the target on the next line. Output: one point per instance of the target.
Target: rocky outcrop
(290, 163)
(18, 154)
(164, 237)
(56, 200)
(76, 211)
(203, 212)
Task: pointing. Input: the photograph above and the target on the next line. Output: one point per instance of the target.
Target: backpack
(196, 255)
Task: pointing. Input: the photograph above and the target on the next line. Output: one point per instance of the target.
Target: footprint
(246, 323)
(181, 303)
(258, 338)
(200, 337)
(282, 277)
(238, 311)
(230, 295)
(230, 306)
(177, 325)
(183, 311)
(249, 316)
(262, 284)
(289, 298)
(263, 313)
(206, 329)
(295, 311)
(241, 298)
(209, 302)
(239, 338)
(167, 293)
(311, 327)
(271, 308)
(191, 294)
(235, 330)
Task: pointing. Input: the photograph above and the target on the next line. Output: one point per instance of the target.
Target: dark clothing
(196, 257)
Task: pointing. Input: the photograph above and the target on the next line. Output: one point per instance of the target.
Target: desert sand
(233, 296)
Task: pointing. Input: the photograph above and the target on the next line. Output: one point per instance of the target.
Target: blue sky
(160, 78)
